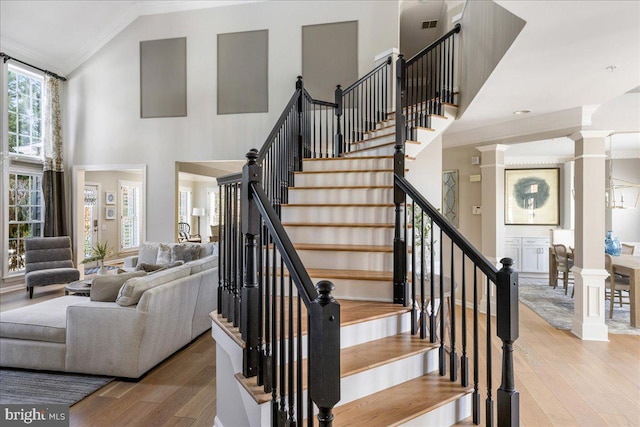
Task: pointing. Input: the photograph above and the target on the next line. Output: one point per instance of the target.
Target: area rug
(557, 308)
(19, 386)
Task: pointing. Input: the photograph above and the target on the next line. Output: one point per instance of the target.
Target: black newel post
(338, 147)
(400, 288)
(507, 329)
(250, 297)
(300, 154)
(324, 352)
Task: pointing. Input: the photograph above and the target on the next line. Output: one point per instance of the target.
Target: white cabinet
(512, 249)
(535, 254)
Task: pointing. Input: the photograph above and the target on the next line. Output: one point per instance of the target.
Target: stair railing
(424, 84)
(362, 105)
(264, 288)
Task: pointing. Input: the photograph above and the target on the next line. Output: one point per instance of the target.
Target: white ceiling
(558, 62)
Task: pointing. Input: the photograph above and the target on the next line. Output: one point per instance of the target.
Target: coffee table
(79, 287)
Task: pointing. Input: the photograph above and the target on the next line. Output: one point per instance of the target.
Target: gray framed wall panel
(243, 72)
(163, 78)
(329, 57)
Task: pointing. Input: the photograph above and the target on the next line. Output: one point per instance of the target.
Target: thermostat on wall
(476, 210)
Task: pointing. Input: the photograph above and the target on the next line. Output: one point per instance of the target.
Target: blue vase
(612, 246)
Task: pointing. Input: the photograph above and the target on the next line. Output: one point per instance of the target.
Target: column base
(589, 315)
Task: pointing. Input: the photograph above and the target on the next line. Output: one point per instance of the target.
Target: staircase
(318, 239)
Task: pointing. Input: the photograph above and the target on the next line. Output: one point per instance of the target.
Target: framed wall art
(532, 196)
(109, 198)
(450, 196)
(110, 212)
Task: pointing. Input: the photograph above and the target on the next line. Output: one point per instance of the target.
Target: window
(25, 214)
(214, 205)
(24, 113)
(130, 196)
(184, 205)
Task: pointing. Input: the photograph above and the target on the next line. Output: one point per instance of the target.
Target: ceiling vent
(429, 24)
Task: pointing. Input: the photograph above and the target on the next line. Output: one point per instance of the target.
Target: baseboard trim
(12, 288)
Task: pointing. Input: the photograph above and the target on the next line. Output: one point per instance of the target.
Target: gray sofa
(153, 316)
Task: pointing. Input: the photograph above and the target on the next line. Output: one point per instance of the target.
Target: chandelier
(620, 193)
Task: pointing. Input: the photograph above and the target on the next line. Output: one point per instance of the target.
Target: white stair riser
(363, 332)
(338, 214)
(373, 142)
(382, 130)
(341, 195)
(337, 179)
(342, 164)
(391, 374)
(347, 260)
(379, 151)
(363, 290)
(340, 235)
(445, 415)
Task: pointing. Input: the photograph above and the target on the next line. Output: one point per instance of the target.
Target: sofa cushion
(132, 289)
(148, 253)
(203, 264)
(164, 254)
(185, 252)
(45, 321)
(207, 249)
(106, 288)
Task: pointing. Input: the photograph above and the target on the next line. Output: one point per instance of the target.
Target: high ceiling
(558, 63)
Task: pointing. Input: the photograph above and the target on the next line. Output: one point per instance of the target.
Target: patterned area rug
(32, 387)
(557, 308)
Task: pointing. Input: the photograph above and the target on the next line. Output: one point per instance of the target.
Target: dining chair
(184, 233)
(615, 284)
(563, 265)
(628, 249)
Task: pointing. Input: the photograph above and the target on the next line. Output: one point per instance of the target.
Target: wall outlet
(104, 226)
(476, 210)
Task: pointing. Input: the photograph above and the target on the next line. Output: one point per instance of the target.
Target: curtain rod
(50, 73)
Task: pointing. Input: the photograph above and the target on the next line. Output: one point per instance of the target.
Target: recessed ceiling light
(611, 68)
(522, 112)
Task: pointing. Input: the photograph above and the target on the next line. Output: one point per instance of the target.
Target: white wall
(625, 223)
(103, 125)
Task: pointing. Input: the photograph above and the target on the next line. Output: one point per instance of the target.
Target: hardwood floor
(562, 380)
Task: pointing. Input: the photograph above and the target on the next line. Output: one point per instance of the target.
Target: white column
(588, 270)
(492, 170)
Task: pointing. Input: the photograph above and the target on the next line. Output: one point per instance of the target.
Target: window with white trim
(130, 214)
(184, 205)
(24, 110)
(25, 215)
(214, 205)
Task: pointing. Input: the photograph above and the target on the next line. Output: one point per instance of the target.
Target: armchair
(184, 234)
(48, 261)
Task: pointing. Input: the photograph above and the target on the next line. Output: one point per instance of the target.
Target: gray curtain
(55, 223)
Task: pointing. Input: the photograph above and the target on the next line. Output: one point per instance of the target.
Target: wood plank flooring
(562, 380)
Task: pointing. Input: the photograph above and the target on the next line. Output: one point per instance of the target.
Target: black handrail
(278, 126)
(366, 76)
(436, 43)
(229, 179)
(470, 251)
(285, 247)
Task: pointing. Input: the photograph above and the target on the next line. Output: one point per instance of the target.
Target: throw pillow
(177, 252)
(164, 254)
(148, 253)
(105, 288)
(149, 268)
(191, 253)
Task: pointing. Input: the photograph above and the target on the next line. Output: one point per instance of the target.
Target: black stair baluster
(414, 311)
(453, 357)
(442, 352)
(476, 358)
(432, 284)
(489, 400)
(464, 361)
(423, 299)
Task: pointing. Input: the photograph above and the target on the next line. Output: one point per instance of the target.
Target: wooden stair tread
(346, 171)
(350, 274)
(338, 224)
(336, 205)
(331, 187)
(342, 248)
(386, 144)
(356, 359)
(399, 404)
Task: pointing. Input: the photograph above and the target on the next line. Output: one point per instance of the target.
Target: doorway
(91, 223)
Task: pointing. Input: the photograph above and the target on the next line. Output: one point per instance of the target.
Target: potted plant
(99, 252)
